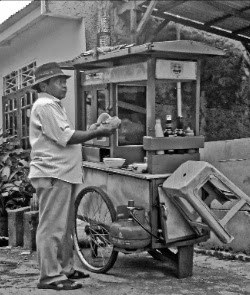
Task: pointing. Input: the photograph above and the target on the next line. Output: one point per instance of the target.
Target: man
(55, 172)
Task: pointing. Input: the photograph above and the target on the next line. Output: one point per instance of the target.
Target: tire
(94, 213)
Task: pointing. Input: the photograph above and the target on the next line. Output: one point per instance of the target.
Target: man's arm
(82, 136)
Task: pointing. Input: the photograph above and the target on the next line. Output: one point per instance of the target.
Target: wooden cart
(123, 82)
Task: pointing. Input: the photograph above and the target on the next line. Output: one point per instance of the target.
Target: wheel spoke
(94, 215)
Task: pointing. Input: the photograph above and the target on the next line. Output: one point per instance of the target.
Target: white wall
(50, 39)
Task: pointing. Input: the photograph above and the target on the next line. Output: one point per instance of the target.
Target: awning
(230, 19)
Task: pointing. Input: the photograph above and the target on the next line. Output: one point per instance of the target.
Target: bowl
(139, 167)
(114, 162)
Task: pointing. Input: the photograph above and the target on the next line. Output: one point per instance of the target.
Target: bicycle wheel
(94, 213)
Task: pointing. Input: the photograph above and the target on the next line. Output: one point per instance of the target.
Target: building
(61, 30)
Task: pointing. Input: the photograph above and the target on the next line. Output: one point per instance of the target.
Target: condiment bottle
(189, 132)
(179, 126)
(158, 133)
(168, 132)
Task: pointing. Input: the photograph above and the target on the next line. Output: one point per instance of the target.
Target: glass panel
(166, 97)
(23, 122)
(27, 98)
(22, 101)
(11, 124)
(6, 121)
(101, 102)
(33, 97)
(6, 107)
(88, 103)
(15, 103)
(23, 143)
(132, 112)
(9, 105)
(15, 122)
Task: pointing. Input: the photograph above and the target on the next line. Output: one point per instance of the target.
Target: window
(131, 100)
(16, 114)
(19, 79)
(17, 102)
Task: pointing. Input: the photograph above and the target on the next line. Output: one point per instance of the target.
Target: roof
(19, 15)
(177, 49)
(230, 19)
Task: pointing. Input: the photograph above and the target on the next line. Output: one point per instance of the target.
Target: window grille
(19, 79)
(27, 101)
(10, 83)
(17, 102)
(16, 114)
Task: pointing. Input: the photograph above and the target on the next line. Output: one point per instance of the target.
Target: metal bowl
(114, 162)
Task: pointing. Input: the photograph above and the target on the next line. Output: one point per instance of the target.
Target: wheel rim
(93, 219)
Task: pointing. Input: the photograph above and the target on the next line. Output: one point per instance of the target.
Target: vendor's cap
(47, 71)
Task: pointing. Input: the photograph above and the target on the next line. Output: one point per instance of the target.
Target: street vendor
(56, 173)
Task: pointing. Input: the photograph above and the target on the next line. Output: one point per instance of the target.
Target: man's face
(57, 87)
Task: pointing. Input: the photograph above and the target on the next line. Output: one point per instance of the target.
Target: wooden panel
(169, 143)
(185, 261)
(119, 188)
(132, 153)
(176, 225)
(91, 154)
(125, 73)
(175, 70)
(158, 164)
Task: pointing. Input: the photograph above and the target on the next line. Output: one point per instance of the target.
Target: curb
(223, 254)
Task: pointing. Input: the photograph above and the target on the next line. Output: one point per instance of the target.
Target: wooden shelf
(172, 143)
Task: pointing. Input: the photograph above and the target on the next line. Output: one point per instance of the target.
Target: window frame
(18, 105)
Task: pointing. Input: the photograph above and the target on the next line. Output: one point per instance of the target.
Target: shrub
(15, 187)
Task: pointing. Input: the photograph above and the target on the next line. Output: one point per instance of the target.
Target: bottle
(158, 133)
(190, 132)
(179, 126)
(168, 132)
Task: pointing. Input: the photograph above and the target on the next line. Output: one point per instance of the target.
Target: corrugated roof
(19, 15)
(230, 19)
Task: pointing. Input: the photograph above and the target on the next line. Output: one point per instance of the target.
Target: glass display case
(139, 84)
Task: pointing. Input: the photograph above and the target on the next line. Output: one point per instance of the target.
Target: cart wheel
(93, 217)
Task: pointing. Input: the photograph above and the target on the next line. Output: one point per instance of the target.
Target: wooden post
(79, 100)
(179, 98)
(197, 99)
(150, 115)
(133, 22)
(185, 261)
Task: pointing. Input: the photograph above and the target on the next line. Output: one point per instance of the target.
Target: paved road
(136, 274)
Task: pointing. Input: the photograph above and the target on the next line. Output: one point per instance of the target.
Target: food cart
(120, 210)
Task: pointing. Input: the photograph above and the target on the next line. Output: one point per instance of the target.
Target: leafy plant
(15, 187)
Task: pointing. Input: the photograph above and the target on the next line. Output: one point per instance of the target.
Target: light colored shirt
(50, 130)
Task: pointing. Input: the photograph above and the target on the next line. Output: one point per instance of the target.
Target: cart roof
(111, 56)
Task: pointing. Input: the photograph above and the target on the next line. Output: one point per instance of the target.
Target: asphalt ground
(133, 274)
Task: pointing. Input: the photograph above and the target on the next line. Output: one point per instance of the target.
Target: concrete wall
(51, 39)
(86, 9)
(232, 158)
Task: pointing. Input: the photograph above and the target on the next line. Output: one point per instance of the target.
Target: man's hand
(106, 130)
